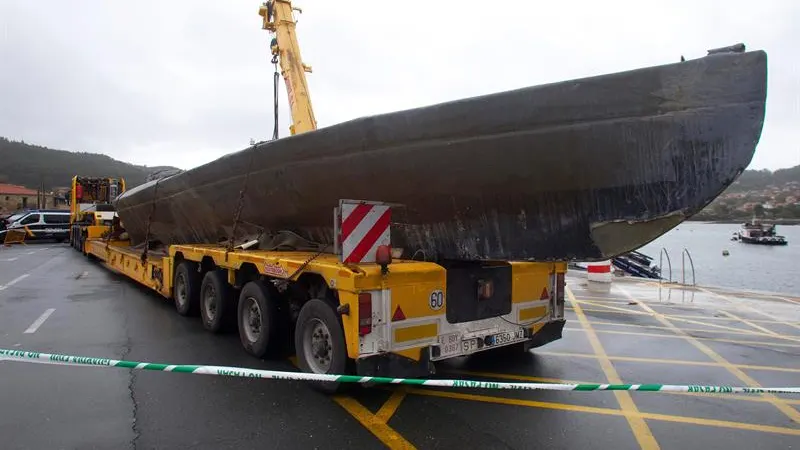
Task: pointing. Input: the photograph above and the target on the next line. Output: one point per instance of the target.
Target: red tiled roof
(13, 189)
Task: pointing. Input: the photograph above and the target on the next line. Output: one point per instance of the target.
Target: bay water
(747, 267)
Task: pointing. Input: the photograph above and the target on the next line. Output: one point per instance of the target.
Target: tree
(758, 210)
(723, 210)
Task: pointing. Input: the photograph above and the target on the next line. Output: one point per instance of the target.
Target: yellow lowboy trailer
(359, 307)
(379, 316)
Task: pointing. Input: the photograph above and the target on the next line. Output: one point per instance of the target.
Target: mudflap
(551, 331)
(395, 366)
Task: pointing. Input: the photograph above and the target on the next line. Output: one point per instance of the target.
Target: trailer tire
(186, 288)
(319, 337)
(215, 300)
(258, 309)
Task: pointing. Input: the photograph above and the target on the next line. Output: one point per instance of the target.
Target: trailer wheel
(186, 288)
(214, 300)
(257, 314)
(320, 344)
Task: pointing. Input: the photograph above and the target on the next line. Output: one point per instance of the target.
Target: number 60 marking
(436, 300)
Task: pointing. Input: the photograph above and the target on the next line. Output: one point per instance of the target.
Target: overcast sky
(184, 82)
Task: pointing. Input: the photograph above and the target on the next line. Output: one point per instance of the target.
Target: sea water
(748, 266)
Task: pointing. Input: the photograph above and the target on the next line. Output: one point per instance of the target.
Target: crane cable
(275, 81)
(240, 203)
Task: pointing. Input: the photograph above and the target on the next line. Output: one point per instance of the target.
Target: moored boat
(582, 170)
(756, 232)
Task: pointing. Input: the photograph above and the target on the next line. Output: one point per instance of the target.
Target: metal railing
(661, 255)
(684, 255)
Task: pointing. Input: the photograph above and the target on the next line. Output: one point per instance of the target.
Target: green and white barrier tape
(68, 360)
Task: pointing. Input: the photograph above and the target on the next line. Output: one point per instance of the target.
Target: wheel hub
(318, 346)
(252, 320)
(181, 290)
(210, 305)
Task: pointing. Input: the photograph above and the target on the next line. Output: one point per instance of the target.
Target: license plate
(450, 344)
(469, 345)
(507, 337)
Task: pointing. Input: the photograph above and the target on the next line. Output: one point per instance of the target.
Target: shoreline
(782, 222)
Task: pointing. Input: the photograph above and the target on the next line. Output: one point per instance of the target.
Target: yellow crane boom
(278, 18)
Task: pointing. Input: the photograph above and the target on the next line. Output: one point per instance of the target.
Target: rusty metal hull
(577, 170)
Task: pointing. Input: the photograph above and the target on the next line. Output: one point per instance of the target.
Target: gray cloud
(185, 82)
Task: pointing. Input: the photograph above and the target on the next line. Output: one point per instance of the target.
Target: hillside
(761, 179)
(766, 194)
(29, 165)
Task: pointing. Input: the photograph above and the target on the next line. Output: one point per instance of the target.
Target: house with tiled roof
(14, 197)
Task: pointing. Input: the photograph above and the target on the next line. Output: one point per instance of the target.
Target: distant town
(778, 202)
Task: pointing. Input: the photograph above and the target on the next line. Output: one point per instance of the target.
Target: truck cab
(91, 207)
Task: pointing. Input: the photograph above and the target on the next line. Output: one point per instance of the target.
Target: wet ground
(55, 300)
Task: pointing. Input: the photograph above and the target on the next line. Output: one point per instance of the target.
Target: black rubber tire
(323, 311)
(186, 273)
(266, 297)
(221, 300)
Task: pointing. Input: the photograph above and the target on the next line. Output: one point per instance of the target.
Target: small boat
(637, 264)
(580, 170)
(756, 232)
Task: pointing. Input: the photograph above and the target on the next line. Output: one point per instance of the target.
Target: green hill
(765, 194)
(31, 165)
(760, 179)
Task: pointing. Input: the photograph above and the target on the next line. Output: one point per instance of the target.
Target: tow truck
(372, 315)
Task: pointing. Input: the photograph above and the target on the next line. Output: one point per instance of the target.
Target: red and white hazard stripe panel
(365, 227)
(599, 271)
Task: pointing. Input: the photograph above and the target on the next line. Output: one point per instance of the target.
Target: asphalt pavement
(53, 299)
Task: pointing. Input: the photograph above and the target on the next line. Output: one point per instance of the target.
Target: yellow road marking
(390, 407)
(606, 411)
(750, 308)
(746, 295)
(514, 377)
(505, 376)
(688, 316)
(376, 424)
(383, 432)
(738, 373)
(669, 361)
(622, 311)
(638, 426)
(700, 322)
(613, 308)
(589, 298)
(759, 327)
(696, 322)
(660, 327)
(672, 336)
(787, 299)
